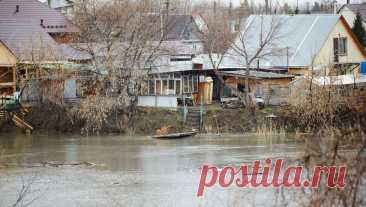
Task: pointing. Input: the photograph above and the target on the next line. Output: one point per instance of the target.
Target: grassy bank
(146, 121)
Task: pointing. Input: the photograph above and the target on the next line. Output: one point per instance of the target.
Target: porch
(170, 90)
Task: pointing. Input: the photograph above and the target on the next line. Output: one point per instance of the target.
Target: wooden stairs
(2, 115)
(194, 118)
(21, 123)
(16, 117)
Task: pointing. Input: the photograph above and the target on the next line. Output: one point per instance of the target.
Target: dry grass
(270, 129)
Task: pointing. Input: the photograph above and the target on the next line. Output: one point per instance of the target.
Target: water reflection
(139, 171)
(146, 154)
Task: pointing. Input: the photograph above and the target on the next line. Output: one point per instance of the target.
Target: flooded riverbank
(128, 171)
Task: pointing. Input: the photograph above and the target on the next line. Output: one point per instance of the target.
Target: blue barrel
(363, 67)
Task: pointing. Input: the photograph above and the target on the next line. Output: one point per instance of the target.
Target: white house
(303, 42)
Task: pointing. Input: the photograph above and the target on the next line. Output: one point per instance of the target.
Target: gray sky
(293, 2)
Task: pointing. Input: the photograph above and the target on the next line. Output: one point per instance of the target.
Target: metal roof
(256, 74)
(28, 41)
(53, 20)
(298, 40)
(355, 8)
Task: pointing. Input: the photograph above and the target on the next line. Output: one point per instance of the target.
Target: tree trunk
(247, 73)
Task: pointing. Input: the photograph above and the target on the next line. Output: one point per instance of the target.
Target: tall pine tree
(359, 30)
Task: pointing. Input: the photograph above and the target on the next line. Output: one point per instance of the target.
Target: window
(171, 87)
(185, 84)
(151, 87)
(340, 46)
(178, 87)
(190, 81)
(158, 87)
(195, 83)
(165, 87)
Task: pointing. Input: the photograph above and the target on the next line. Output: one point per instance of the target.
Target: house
(7, 71)
(27, 50)
(32, 38)
(176, 77)
(184, 28)
(66, 7)
(303, 44)
(349, 12)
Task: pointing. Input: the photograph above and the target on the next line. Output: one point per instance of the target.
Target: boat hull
(175, 135)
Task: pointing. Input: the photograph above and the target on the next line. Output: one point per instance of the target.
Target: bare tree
(123, 38)
(252, 46)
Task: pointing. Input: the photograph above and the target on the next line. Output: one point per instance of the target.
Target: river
(130, 170)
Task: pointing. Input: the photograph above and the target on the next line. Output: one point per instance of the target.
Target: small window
(178, 87)
(340, 46)
(151, 87)
(171, 87)
(195, 83)
(158, 87)
(186, 84)
(190, 80)
(165, 87)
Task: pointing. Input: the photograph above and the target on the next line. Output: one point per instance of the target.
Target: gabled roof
(299, 39)
(30, 42)
(53, 20)
(355, 8)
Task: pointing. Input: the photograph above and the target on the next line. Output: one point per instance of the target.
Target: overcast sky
(293, 2)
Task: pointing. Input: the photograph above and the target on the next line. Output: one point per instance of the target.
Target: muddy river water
(131, 170)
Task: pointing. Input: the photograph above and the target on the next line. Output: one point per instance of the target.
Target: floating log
(47, 164)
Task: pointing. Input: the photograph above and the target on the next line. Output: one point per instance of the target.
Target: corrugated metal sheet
(53, 20)
(298, 39)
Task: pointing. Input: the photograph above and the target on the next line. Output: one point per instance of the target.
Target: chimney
(348, 1)
(334, 7)
(266, 6)
(16, 8)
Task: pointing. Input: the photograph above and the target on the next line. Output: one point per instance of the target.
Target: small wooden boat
(175, 135)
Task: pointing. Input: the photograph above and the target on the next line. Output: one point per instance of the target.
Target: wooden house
(272, 87)
(7, 71)
(32, 37)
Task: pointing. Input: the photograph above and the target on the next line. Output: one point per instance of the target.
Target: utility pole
(297, 11)
(215, 7)
(334, 7)
(164, 19)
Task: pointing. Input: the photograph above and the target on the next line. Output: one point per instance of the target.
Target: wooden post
(14, 79)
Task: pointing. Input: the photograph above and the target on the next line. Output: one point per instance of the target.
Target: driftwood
(46, 164)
